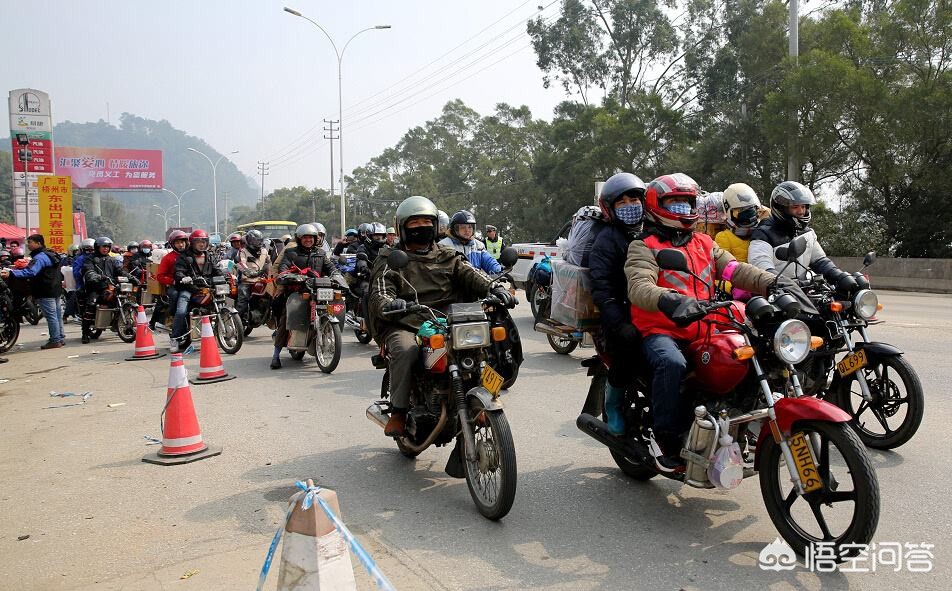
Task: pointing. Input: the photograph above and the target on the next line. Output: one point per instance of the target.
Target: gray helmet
(790, 193)
(414, 207)
(321, 232)
(73, 249)
(306, 230)
(377, 229)
(444, 221)
(623, 183)
(88, 243)
(103, 241)
(254, 238)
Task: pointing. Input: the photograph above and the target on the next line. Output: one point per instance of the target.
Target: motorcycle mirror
(508, 257)
(397, 259)
(796, 247)
(869, 259)
(671, 259)
(363, 257)
(781, 253)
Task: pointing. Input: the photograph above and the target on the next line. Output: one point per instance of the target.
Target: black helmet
(617, 185)
(132, 246)
(103, 241)
(459, 218)
(790, 193)
(254, 238)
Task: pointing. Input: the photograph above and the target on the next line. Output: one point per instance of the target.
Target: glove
(503, 295)
(397, 305)
(361, 266)
(186, 280)
(250, 273)
(847, 285)
(628, 333)
(681, 309)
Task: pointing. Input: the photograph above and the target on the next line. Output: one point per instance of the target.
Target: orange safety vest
(701, 263)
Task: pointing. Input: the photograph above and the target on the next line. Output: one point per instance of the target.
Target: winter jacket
(733, 244)
(78, 270)
(773, 233)
(315, 259)
(371, 249)
(475, 252)
(253, 266)
(166, 273)
(102, 268)
(46, 280)
(186, 265)
(606, 268)
(441, 276)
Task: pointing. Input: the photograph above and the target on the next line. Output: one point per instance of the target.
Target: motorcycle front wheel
(895, 413)
(126, 324)
(844, 511)
(492, 477)
(9, 332)
(561, 345)
(328, 346)
(229, 332)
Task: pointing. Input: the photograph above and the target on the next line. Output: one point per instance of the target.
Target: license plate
(852, 363)
(803, 459)
(491, 380)
(325, 294)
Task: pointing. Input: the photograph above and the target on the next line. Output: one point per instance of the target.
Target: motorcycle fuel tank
(715, 369)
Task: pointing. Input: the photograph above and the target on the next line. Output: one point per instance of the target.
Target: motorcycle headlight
(865, 303)
(125, 287)
(222, 289)
(791, 342)
(470, 335)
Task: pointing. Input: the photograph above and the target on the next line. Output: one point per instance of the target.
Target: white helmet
(741, 206)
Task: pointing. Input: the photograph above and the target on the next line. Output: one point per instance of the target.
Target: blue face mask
(678, 208)
(629, 214)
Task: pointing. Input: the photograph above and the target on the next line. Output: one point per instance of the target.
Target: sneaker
(53, 345)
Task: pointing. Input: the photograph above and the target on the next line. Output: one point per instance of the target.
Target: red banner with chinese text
(109, 168)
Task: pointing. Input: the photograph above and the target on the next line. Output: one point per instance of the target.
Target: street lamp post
(340, 104)
(165, 213)
(178, 199)
(214, 179)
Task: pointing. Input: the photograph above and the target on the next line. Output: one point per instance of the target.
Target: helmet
(177, 235)
(710, 208)
(391, 230)
(741, 206)
(254, 238)
(616, 186)
(196, 236)
(415, 206)
(214, 239)
(790, 193)
(101, 241)
(490, 228)
(321, 230)
(233, 237)
(444, 221)
(306, 230)
(588, 212)
(362, 229)
(145, 246)
(4, 254)
(73, 248)
(462, 217)
(377, 229)
(132, 246)
(665, 187)
(88, 243)
(350, 232)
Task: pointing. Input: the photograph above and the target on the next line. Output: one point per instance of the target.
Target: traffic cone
(145, 345)
(181, 436)
(210, 369)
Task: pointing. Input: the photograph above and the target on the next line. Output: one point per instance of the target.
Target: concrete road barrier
(900, 274)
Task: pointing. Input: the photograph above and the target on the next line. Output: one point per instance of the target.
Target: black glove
(503, 295)
(847, 285)
(360, 266)
(681, 309)
(397, 305)
(628, 333)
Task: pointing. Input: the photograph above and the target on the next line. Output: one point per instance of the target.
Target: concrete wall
(927, 275)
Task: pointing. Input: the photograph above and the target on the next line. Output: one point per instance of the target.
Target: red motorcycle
(815, 478)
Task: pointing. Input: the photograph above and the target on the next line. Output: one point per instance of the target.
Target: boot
(396, 426)
(454, 465)
(615, 409)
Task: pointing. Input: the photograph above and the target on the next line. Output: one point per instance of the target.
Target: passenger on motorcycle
(305, 254)
(234, 248)
(742, 211)
(165, 275)
(444, 225)
(462, 229)
(622, 203)
(193, 263)
(664, 302)
(437, 275)
(790, 216)
(254, 263)
(377, 239)
(99, 269)
(347, 244)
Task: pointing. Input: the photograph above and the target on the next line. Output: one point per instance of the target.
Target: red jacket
(166, 272)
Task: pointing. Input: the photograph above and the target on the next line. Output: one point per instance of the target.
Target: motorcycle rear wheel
(229, 332)
(328, 346)
(889, 397)
(631, 468)
(126, 324)
(561, 345)
(9, 332)
(491, 479)
(538, 296)
(32, 312)
(804, 523)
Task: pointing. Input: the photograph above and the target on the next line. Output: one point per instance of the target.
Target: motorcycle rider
(254, 263)
(462, 228)
(377, 235)
(305, 254)
(194, 262)
(444, 225)
(165, 275)
(665, 304)
(622, 203)
(234, 248)
(345, 243)
(438, 275)
(790, 216)
(99, 270)
(139, 263)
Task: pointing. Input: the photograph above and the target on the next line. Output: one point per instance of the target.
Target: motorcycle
(562, 339)
(506, 355)
(354, 317)
(313, 308)
(259, 306)
(816, 479)
(208, 299)
(9, 323)
(455, 396)
(872, 381)
(116, 309)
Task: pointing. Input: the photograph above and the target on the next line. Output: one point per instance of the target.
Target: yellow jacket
(733, 244)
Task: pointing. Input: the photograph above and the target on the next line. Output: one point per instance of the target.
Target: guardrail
(900, 274)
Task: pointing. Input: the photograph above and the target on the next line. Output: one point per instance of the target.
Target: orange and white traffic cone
(181, 436)
(145, 345)
(210, 368)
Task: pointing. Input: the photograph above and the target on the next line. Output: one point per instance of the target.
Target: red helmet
(145, 244)
(16, 251)
(665, 187)
(235, 236)
(196, 234)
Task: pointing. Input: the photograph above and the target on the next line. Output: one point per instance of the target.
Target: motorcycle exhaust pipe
(375, 413)
(598, 430)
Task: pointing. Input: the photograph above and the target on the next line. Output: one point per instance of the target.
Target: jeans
(53, 310)
(669, 408)
(180, 325)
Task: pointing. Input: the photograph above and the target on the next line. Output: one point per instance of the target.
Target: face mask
(679, 208)
(746, 217)
(420, 234)
(146, 251)
(742, 232)
(629, 214)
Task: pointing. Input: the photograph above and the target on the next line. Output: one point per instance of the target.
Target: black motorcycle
(506, 354)
(259, 306)
(9, 323)
(356, 268)
(870, 380)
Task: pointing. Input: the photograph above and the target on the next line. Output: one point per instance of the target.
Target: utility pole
(793, 162)
(263, 171)
(226, 214)
(330, 129)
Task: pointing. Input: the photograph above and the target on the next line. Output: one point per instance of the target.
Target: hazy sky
(245, 75)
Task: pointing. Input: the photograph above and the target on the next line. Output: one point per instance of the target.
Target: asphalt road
(97, 517)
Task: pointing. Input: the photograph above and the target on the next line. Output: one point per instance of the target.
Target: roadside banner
(56, 211)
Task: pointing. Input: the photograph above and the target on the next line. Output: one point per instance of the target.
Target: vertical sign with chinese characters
(31, 120)
(56, 211)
